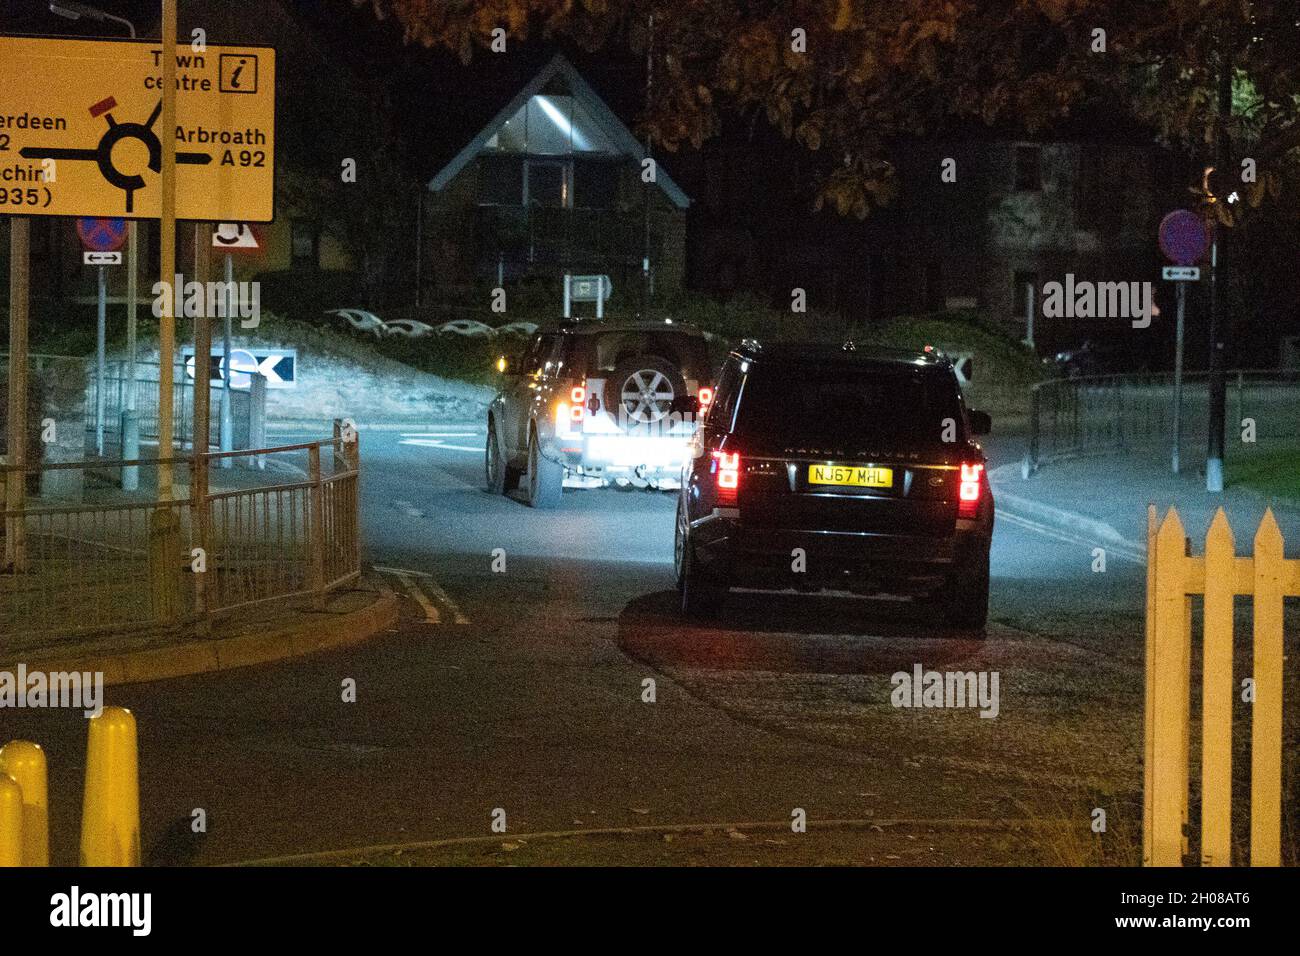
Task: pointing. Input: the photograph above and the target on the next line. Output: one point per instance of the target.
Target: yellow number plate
(859, 477)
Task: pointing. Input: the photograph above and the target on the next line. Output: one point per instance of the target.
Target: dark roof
(783, 351)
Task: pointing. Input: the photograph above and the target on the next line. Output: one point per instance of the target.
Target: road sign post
(595, 288)
(1182, 239)
(167, 247)
(227, 422)
(1181, 275)
(101, 386)
(101, 239)
(230, 236)
(132, 307)
(202, 409)
(1178, 377)
(130, 424)
(1214, 448)
(16, 434)
(1029, 314)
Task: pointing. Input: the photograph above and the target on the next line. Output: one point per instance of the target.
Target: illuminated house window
(551, 125)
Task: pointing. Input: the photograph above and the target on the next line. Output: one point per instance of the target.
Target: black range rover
(837, 467)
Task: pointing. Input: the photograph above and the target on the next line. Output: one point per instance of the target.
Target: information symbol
(238, 73)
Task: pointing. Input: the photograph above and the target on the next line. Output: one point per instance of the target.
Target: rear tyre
(545, 478)
(966, 593)
(702, 598)
(500, 478)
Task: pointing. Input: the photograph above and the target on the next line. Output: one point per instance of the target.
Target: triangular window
(551, 125)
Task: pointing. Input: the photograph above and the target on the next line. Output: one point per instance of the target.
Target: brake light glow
(969, 492)
(706, 397)
(728, 471)
(568, 418)
(578, 395)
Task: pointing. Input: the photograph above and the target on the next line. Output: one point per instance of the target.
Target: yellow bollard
(25, 762)
(110, 812)
(11, 822)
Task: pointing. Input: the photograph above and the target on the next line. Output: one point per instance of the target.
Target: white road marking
(439, 440)
(406, 571)
(439, 443)
(1057, 534)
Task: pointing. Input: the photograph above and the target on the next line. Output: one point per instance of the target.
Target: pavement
(1104, 498)
(270, 633)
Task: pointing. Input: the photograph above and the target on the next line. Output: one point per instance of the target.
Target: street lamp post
(130, 423)
(1218, 397)
(75, 11)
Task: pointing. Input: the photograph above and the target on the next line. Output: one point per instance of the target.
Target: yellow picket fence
(1174, 574)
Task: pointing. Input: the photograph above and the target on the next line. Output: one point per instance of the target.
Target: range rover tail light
(727, 472)
(970, 490)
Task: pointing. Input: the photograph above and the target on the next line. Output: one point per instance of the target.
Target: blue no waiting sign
(102, 235)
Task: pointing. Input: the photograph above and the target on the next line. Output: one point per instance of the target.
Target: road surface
(524, 690)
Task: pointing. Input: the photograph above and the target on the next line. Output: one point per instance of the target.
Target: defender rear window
(848, 403)
(688, 352)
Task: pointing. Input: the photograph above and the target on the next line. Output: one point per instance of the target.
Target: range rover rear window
(848, 403)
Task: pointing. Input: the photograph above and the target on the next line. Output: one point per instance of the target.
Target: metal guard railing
(1108, 414)
(130, 565)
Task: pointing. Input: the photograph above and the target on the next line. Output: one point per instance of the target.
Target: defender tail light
(727, 468)
(706, 397)
(968, 498)
(578, 395)
(568, 417)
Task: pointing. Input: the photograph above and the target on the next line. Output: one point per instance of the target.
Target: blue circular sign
(102, 235)
(1183, 237)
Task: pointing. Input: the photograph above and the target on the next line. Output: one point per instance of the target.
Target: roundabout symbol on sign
(103, 153)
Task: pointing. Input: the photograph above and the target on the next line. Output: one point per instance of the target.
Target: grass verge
(1275, 474)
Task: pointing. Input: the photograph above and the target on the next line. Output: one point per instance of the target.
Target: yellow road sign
(79, 130)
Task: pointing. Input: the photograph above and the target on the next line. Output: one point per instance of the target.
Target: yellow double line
(421, 592)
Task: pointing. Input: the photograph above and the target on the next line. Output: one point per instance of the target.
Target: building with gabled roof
(553, 184)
